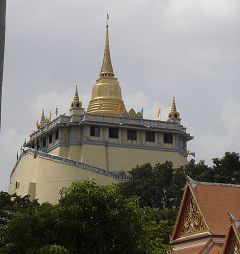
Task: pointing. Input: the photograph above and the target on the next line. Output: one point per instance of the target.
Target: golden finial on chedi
(76, 103)
(106, 93)
(174, 115)
(44, 120)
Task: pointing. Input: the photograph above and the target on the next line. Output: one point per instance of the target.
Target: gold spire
(43, 121)
(42, 118)
(76, 103)
(106, 93)
(107, 69)
(173, 108)
(174, 115)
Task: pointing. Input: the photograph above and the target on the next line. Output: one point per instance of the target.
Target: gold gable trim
(178, 231)
(193, 221)
(231, 244)
(235, 242)
(234, 249)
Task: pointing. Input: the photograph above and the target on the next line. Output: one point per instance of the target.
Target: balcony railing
(116, 175)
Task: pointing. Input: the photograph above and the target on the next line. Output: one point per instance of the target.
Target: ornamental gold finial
(107, 69)
(43, 121)
(173, 108)
(174, 115)
(76, 103)
(42, 117)
(106, 93)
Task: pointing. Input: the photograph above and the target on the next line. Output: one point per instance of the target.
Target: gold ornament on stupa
(76, 103)
(44, 120)
(106, 93)
(173, 114)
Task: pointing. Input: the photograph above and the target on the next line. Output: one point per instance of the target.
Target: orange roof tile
(190, 250)
(215, 249)
(209, 248)
(215, 201)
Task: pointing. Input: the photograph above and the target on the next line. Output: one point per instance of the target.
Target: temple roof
(232, 240)
(191, 250)
(214, 200)
(208, 248)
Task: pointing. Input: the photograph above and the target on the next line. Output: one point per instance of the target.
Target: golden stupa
(106, 93)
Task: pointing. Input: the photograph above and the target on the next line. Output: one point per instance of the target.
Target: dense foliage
(88, 219)
(223, 170)
(157, 187)
(161, 186)
(132, 217)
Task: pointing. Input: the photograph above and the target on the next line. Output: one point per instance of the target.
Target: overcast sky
(189, 49)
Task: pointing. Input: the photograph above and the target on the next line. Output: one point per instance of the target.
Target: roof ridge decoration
(232, 239)
(234, 221)
(190, 219)
(194, 183)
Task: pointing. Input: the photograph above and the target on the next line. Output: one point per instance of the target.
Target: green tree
(157, 187)
(9, 206)
(53, 249)
(227, 169)
(199, 171)
(88, 219)
(223, 170)
(98, 219)
(29, 230)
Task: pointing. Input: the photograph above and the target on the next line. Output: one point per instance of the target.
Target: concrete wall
(44, 178)
(118, 157)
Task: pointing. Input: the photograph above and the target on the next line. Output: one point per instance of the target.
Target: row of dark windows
(131, 134)
(44, 140)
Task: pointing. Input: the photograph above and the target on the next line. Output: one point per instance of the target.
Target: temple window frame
(132, 134)
(168, 138)
(150, 136)
(113, 133)
(94, 131)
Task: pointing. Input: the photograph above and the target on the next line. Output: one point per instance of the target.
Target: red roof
(209, 248)
(215, 200)
(191, 250)
(215, 249)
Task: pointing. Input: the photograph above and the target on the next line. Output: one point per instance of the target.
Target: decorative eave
(232, 232)
(121, 122)
(188, 191)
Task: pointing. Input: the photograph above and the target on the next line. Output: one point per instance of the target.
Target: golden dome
(106, 93)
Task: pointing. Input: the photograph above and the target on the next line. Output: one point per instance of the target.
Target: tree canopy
(161, 186)
(132, 217)
(88, 219)
(158, 186)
